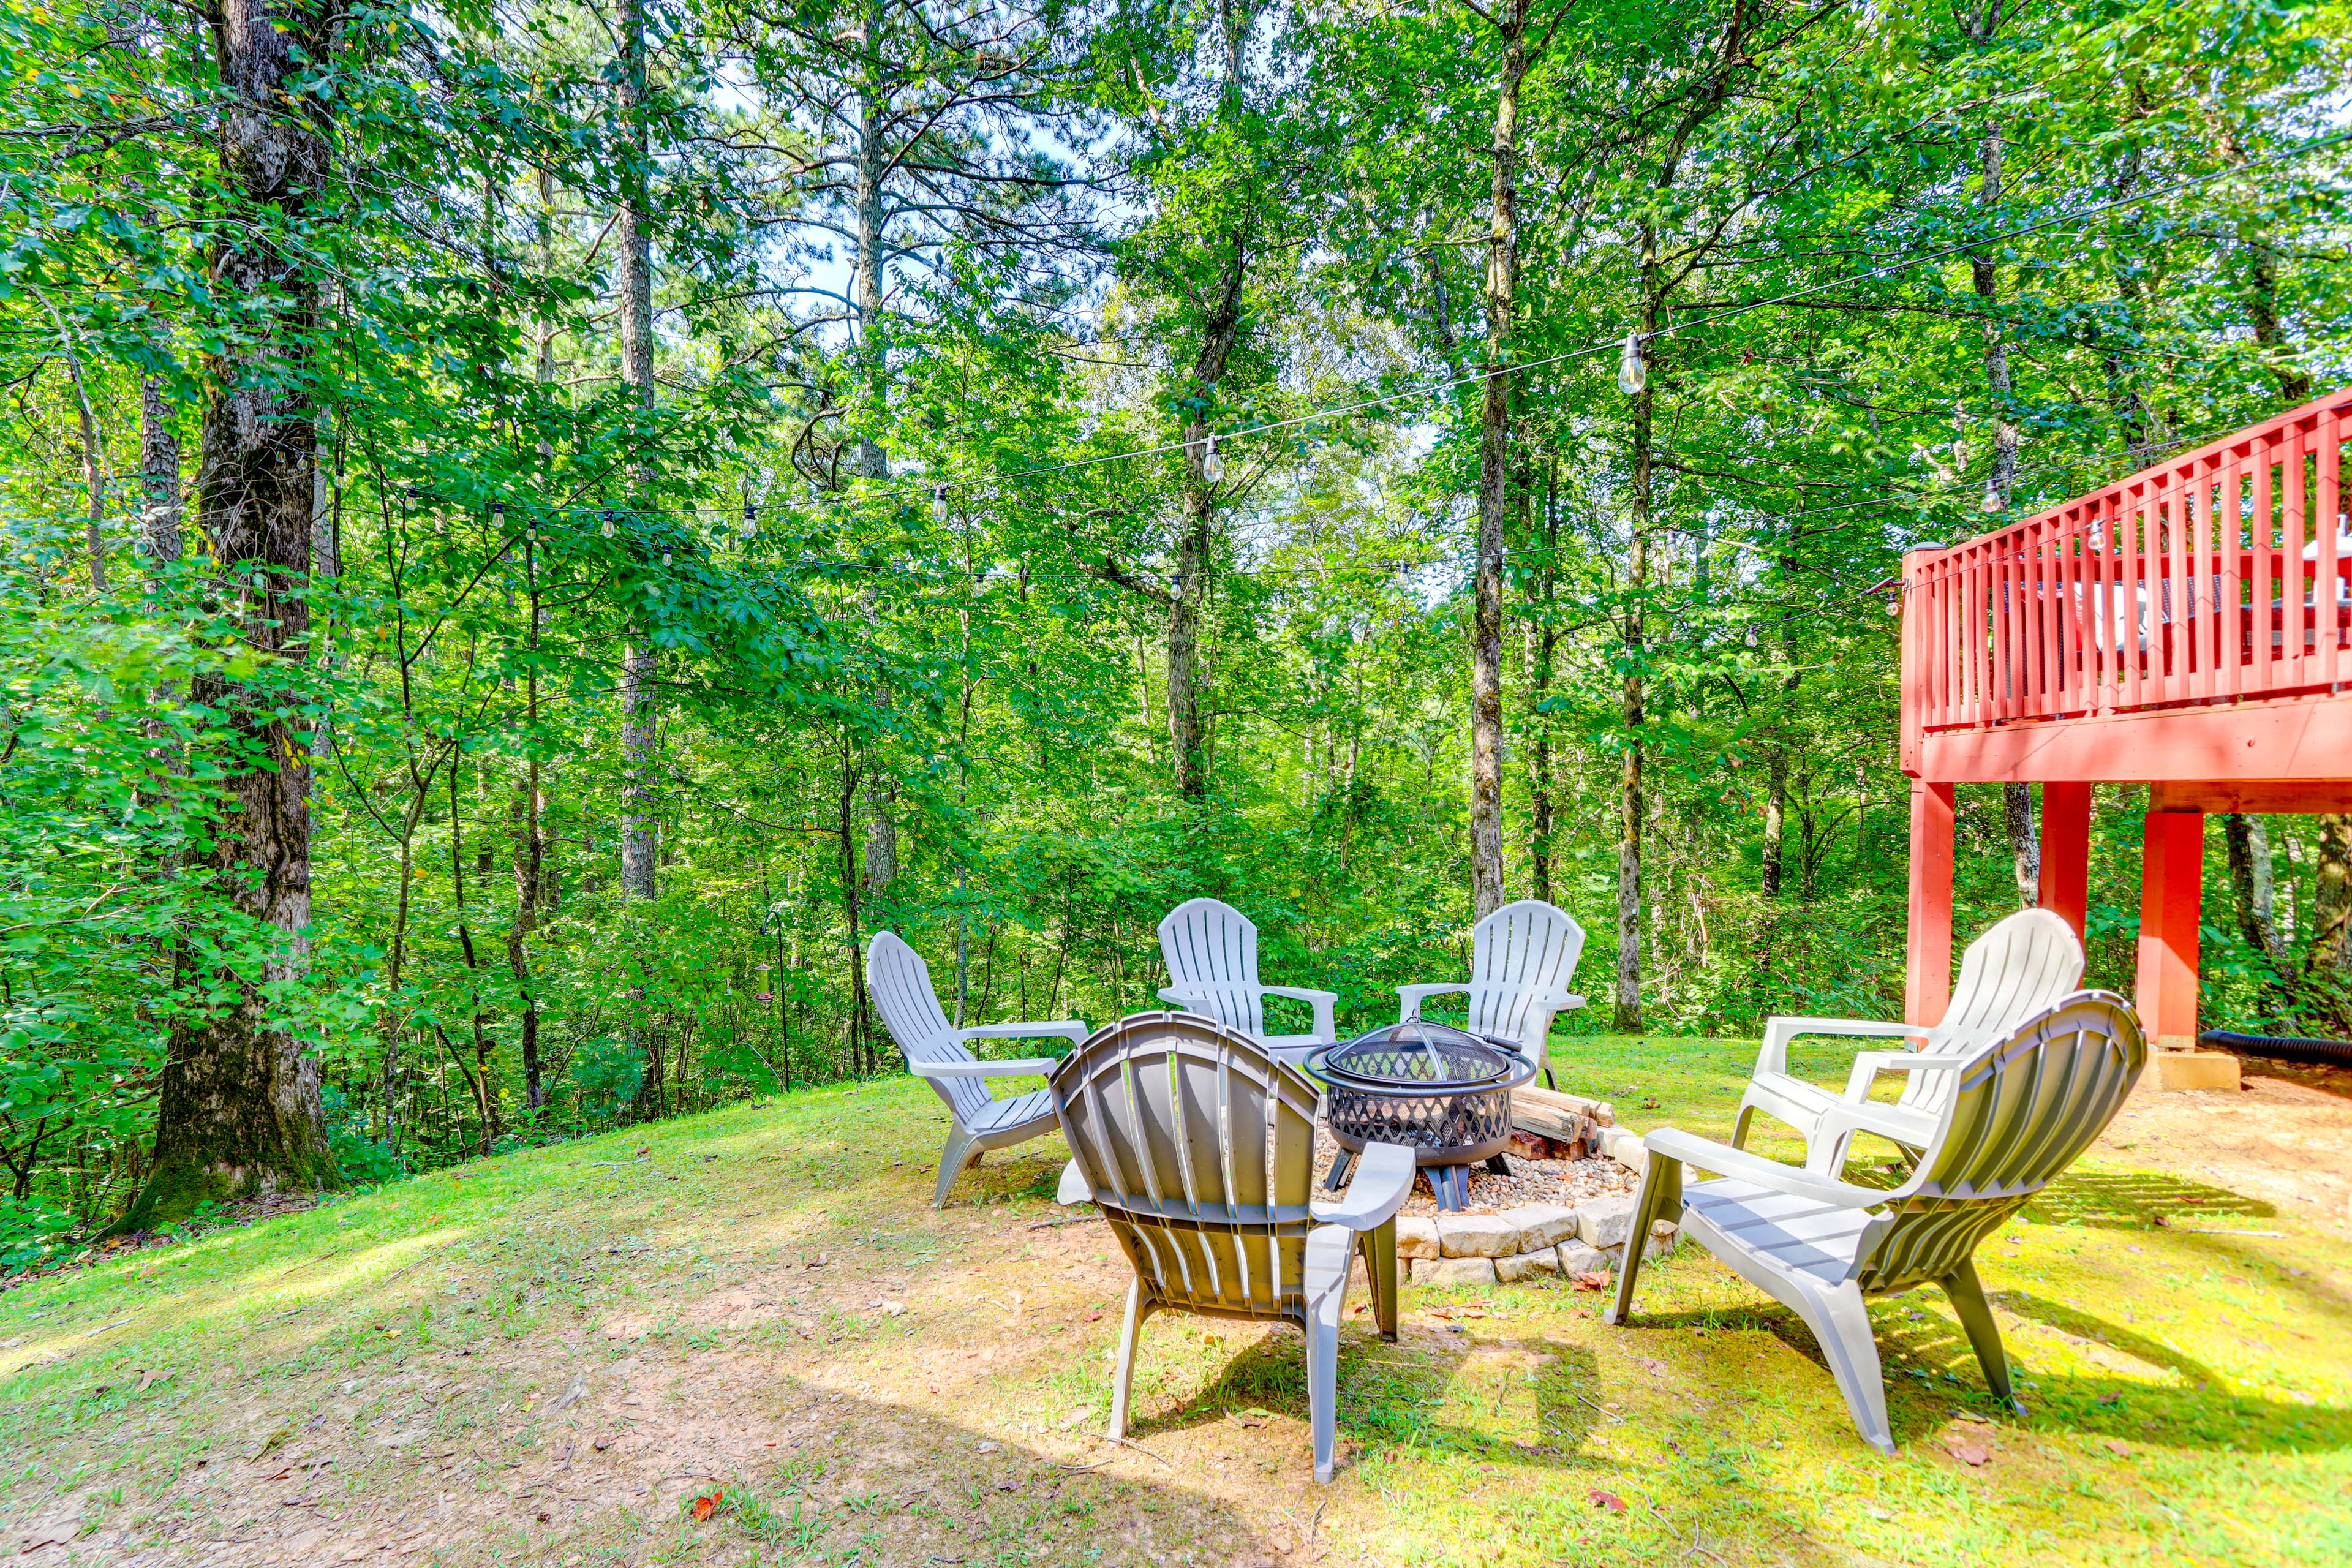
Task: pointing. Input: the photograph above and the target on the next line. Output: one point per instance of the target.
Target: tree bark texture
(1494, 479)
(238, 1113)
(159, 470)
(1543, 648)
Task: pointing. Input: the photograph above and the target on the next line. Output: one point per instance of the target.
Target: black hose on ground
(2287, 1048)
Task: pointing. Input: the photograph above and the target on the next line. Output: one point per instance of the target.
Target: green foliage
(905, 565)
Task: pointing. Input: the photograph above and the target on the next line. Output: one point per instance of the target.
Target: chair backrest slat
(2018, 1115)
(1521, 956)
(2021, 966)
(1199, 1146)
(1210, 951)
(900, 984)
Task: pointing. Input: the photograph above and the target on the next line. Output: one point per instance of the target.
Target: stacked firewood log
(1549, 1125)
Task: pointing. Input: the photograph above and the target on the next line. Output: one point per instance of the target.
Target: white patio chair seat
(1199, 1147)
(1522, 957)
(939, 1053)
(1021, 1107)
(2019, 1109)
(1210, 951)
(2011, 972)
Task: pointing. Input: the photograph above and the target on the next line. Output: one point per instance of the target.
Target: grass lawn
(549, 1357)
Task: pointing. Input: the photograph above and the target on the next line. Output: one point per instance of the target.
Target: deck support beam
(2172, 886)
(2067, 853)
(1928, 967)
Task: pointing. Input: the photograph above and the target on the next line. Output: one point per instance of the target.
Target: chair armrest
(1071, 1029)
(1569, 1000)
(1870, 1064)
(1177, 993)
(1382, 1181)
(1325, 1002)
(1074, 1188)
(1773, 1056)
(1024, 1067)
(1411, 997)
(1725, 1161)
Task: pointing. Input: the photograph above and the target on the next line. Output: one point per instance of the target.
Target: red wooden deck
(2188, 627)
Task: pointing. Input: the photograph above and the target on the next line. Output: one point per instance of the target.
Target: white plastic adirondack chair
(1522, 958)
(1211, 948)
(2022, 1107)
(2018, 967)
(1199, 1146)
(935, 1052)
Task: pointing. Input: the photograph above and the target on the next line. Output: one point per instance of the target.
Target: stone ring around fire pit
(1443, 1092)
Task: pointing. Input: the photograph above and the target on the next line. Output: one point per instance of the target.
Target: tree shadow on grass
(1392, 1397)
(2136, 1200)
(1930, 1369)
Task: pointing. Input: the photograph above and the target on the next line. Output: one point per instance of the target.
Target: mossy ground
(546, 1359)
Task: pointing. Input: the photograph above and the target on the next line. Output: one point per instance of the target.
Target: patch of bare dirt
(2279, 1137)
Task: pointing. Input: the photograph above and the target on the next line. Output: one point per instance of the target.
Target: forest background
(535, 528)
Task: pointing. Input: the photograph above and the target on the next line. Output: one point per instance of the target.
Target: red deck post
(2066, 852)
(1927, 966)
(2172, 885)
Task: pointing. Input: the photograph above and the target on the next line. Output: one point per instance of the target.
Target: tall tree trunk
(94, 455)
(872, 338)
(479, 1076)
(636, 290)
(861, 1050)
(530, 849)
(639, 736)
(1632, 801)
(1544, 640)
(1493, 478)
(240, 1110)
(1196, 534)
(2001, 478)
(159, 468)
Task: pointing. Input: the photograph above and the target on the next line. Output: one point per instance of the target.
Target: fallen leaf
(148, 1380)
(1609, 1500)
(543, 1518)
(2108, 1399)
(1592, 1279)
(571, 1396)
(270, 1442)
(1094, 1317)
(703, 1506)
(1651, 1365)
(1969, 1451)
(1972, 1416)
(2118, 1447)
(601, 1444)
(1007, 1487)
(986, 1446)
(1244, 1420)
(894, 1309)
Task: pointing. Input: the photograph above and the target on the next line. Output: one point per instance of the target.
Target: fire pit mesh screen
(1441, 1092)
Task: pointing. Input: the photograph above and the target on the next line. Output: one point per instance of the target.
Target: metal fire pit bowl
(1443, 1092)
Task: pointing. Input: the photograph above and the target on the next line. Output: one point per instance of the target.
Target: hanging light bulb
(665, 557)
(1213, 467)
(750, 518)
(498, 517)
(939, 503)
(1633, 366)
(608, 530)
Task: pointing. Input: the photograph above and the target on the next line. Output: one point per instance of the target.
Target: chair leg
(1967, 1293)
(1739, 1127)
(953, 1158)
(1123, 1379)
(1379, 1247)
(1323, 1377)
(1841, 1321)
(1660, 1196)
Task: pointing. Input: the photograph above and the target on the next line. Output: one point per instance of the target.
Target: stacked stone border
(1523, 1243)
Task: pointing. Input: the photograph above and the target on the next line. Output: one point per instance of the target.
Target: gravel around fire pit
(1564, 1182)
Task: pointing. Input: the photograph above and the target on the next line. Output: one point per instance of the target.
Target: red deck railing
(2223, 573)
